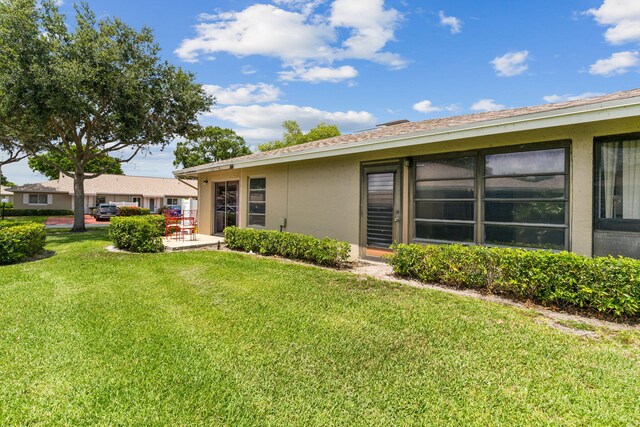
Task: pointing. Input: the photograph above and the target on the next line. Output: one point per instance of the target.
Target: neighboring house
(5, 195)
(561, 176)
(146, 192)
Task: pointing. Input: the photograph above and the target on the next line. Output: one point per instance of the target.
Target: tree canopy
(51, 163)
(4, 181)
(89, 89)
(208, 145)
(293, 135)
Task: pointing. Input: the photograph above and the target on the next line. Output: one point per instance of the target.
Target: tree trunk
(78, 203)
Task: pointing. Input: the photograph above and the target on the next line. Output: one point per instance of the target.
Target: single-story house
(146, 192)
(562, 176)
(5, 195)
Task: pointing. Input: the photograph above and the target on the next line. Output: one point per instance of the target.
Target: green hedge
(604, 284)
(137, 233)
(129, 211)
(325, 251)
(37, 212)
(20, 240)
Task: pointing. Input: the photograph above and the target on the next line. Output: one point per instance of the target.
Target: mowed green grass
(89, 337)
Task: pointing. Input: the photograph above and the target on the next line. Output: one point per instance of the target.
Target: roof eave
(609, 110)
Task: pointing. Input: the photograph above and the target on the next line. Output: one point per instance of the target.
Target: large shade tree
(51, 163)
(208, 145)
(293, 135)
(88, 89)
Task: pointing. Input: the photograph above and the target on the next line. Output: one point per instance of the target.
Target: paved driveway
(67, 221)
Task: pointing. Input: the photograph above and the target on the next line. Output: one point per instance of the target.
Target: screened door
(382, 218)
(226, 205)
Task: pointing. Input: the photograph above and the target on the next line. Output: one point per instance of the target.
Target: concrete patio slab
(202, 241)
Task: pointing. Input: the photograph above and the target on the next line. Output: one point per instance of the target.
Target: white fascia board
(194, 171)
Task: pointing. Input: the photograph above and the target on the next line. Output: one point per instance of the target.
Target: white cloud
(258, 123)
(244, 94)
(301, 37)
(247, 70)
(426, 106)
(319, 74)
(623, 18)
(258, 30)
(617, 63)
(487, 104)
(511, 64)
(568, 97)
(454, 24)
(371, 27)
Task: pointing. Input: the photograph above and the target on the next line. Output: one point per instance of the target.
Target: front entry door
(382, 219)
(226, 205)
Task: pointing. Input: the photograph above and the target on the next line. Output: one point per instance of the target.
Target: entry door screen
(226, 205)
(380, 209)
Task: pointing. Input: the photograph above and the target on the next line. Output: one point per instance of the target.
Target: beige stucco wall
(322, 197)
(59, 201)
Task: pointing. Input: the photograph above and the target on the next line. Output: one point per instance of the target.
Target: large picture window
(257, 202)
(618, 183)
(38, 199)
(506, 198)
(444, 195)
(525, 199)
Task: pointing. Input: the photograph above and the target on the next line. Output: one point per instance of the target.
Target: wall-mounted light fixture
(205, 182)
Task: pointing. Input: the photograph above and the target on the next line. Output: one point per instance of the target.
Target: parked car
(173, 210)
(105, 211)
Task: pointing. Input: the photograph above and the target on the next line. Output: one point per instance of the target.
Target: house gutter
(611, 110)
(186, 183)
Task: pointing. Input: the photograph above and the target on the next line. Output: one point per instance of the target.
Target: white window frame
(167, 199)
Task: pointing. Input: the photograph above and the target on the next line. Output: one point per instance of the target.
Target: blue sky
(356, 63)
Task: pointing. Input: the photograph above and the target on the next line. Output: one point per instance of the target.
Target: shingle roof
(423, 125)
(116, 184)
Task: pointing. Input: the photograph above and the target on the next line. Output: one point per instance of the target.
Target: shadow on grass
(63, 236)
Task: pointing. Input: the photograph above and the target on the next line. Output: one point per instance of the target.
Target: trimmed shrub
(37, 212)
(604, 284)
(137, 233)
(329, 252)
(8, 205)
(20, 240)
(129, 211)
(145, 211)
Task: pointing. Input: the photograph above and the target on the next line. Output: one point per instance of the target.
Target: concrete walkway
(202, 241)
(67, 222)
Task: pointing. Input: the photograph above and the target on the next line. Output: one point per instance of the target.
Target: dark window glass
(458, 167)
(528, 237)
(38, 199)
(257, 220)
(257, 196)
(525, 162)
(446, 232)
(258, 184)
(525, 187)
(456, 211)
(257, 208)
(525, 212)
(448, 189)
(257, 201)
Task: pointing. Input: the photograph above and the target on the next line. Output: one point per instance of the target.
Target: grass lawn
(38, 219)
(213, 338)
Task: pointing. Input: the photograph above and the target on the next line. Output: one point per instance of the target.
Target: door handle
(397, 217)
